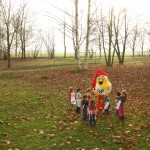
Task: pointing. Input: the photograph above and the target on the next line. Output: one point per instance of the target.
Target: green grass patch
(34, 116)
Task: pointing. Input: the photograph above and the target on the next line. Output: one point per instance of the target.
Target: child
(107, 104)
(122, 98)
(84, 104)
(118, 101)
(78, 101)
(92, 113)
(89, 94)
(71, 98)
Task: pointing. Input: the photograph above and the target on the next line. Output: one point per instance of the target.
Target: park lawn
(44, 64)
(34, 116)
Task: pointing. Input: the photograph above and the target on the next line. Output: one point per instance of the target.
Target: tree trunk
(133, 49)
(133, 54)
(110, 42)
(64, 51)
(0, 54)
(113, 58)
(142, 49)
(99, 45)
(87, 36)
(8, 56)
(8, 47)
(75, 54)
(64, 40)
(77, 37)
(16, 45)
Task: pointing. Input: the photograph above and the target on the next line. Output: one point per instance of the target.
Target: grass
(33, 108)
(30, 64)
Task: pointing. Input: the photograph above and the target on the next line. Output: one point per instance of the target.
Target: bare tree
(148, 34)
(133, 39)
(142, 40)
(64, 34)
(105, 28)
(1, 41)
(25, 30)
(81, 34)
(37, 44)
(74, 41)
(77, 35)
(121, 35)
(99, 23)
(10, 21)
(91, 53)
(17, 34)
(87, 35)
(49, 44)
(1, 33)
(100, 45)
(111, 51)
(75, 31)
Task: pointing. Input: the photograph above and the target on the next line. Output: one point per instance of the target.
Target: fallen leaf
(68, 142)
(130, 125)
(7, 142)
(76, 122)
(96, 148)
(41, 132)
(127, 132)
(78, 140)
(55, 144)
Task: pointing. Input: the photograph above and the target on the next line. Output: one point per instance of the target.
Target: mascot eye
(99, 78)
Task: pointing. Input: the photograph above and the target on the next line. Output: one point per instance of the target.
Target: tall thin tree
(77, 35)
(87, 36)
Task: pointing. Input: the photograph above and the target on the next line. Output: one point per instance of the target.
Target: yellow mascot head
(100, 83)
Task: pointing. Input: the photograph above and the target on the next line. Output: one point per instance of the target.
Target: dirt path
(27, 70)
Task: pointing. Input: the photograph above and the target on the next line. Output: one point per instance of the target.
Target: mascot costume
(101, 86)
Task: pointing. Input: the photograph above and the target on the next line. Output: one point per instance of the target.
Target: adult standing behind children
(78, 101)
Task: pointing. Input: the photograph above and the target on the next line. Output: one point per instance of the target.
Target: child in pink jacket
(92, 113)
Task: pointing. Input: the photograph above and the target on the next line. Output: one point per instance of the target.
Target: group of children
(87, 105)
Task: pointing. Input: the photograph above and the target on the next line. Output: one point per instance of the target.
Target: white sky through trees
(134, 7)
(44, 7)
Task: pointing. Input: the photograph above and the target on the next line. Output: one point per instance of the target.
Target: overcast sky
(135, 7)
(40, 7)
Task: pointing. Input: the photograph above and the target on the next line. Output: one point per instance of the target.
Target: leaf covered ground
(34, 116)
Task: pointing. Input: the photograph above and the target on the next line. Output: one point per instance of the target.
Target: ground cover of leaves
(34, 115)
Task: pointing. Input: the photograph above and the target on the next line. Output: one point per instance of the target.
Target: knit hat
(98, 73)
